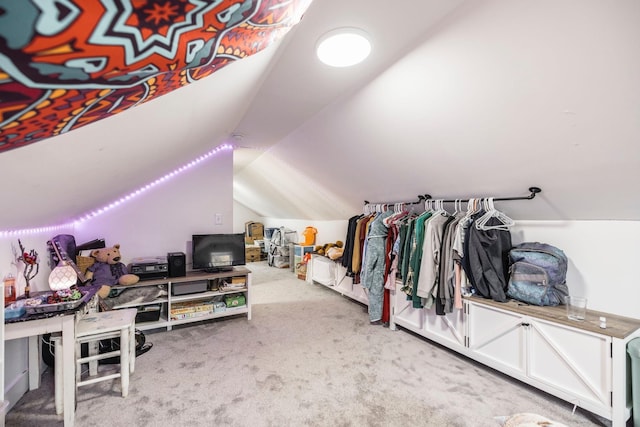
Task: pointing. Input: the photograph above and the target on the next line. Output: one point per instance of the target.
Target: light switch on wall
(218, 219)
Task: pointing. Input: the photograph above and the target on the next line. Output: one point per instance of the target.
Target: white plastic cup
(576, 307)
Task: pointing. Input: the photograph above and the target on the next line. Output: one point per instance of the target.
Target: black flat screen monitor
(217, 252)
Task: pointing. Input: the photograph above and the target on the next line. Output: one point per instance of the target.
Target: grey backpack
(537, 274)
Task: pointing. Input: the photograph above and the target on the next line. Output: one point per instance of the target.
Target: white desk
(65, 322)
(32, 329)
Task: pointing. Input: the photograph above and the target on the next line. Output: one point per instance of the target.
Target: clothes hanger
(503, 218)
(492, 212)
(440, 208)
(480, 222)
(427, 205)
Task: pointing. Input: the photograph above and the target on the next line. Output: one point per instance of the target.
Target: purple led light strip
(128, 197)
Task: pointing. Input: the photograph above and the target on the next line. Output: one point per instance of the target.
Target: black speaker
(177, 264)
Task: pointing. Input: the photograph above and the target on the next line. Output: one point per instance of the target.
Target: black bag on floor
(113, 344)
(105, 346)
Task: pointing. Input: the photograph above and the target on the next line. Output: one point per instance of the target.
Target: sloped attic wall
(67, 64)
(83, 168)
(501, 96)
(158, 221)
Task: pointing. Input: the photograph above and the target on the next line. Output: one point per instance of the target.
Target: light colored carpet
(309, 357)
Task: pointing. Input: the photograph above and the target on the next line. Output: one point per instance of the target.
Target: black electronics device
(217, 252)
(149, 267)
(177, 264)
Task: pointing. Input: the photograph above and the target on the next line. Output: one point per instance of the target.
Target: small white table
(32, 329)
(108, 324)
(65, 322)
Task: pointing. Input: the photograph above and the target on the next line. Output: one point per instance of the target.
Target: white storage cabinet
(575, 361)
(193, 278)
(333, 275)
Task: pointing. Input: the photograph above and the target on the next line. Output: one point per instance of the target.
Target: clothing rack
(532, 193)
(422, 197)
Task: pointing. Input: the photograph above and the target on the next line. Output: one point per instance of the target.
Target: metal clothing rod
(532, 193)
(420, 200)
(422, 197)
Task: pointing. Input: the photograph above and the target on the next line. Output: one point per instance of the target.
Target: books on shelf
(188, 309)
(234, 285)
(190, 315)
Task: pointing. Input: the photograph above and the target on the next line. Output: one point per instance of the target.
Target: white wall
(163, 219)
(36, 241)
(16, 351)
(242, 215)
(499, 96)
(602, 259)
(159, 221)
(328, 231)
(602, 255)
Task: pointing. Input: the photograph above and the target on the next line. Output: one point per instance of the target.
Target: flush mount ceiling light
(343, 47)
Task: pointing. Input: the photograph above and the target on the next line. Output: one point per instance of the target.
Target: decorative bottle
(9, 289)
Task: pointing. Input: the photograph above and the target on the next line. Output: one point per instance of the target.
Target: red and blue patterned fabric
(67, 63)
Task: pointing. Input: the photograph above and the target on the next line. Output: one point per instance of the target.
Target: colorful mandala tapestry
(68, 63)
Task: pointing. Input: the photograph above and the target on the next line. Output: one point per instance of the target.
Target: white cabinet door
(571, 360)
(448, 330)
(497, 338)
(323, 270)
(570, 363)
(404, 314)
(354, 291)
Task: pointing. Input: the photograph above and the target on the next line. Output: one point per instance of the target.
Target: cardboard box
(248, 240)
(247, 228)
(257, 230)
(254, 229)
(252, 253)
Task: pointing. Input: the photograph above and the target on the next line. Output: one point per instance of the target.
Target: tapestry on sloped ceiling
(67, 63)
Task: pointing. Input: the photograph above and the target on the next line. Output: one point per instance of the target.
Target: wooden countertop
(617, 326)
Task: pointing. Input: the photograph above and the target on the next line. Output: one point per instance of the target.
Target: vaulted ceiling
(458, 99)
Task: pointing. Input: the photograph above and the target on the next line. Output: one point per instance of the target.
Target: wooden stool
(92, 328)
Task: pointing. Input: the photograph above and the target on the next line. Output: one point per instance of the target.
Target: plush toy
(335, 253)
(331, 250)
(107, 270)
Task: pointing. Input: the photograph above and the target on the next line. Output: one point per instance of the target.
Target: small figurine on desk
(31, 263)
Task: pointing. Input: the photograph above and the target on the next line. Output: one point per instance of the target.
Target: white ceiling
(458, 99)
(488, 99)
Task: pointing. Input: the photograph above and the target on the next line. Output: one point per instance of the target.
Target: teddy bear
(107, 270)
(335, 252)
(331, 250)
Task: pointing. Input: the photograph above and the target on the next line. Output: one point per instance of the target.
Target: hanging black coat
(487, 260)
(348, 244)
